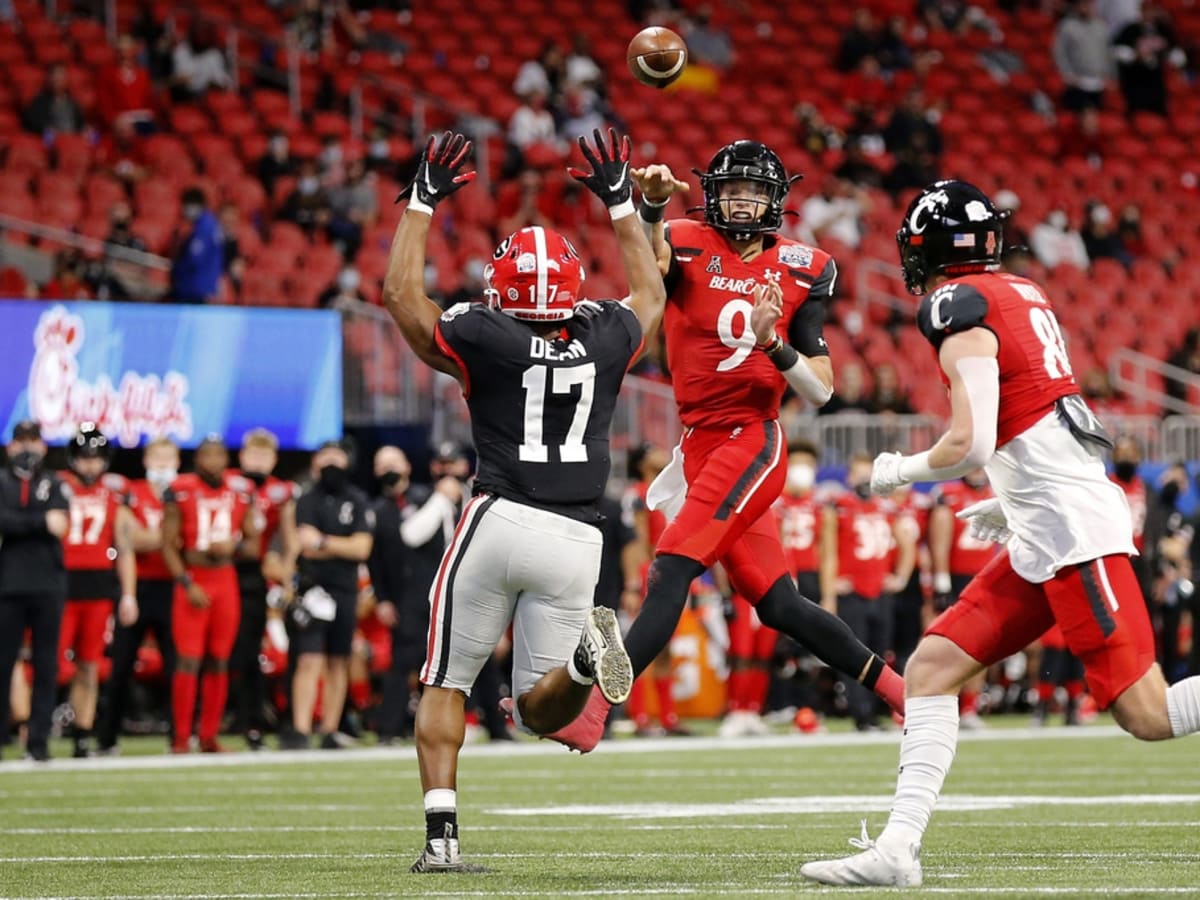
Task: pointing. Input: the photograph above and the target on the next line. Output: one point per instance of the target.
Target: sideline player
(100, 562)
(541, 370)
(1016, 410)
(743, 322)
(206, 523)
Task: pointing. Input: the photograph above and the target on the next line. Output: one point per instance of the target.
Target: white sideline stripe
(798, 889)
(674, 746)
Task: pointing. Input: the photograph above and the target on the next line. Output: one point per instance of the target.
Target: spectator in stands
(230, 219)
(912, 122)
(857, 169)
(525, 203)
(864, 130)
(473, 284)
(944, 15)
(1118, 13)
(123, 89)
(861, 39)
(379, 151)
(344, 290)
(1097, 389)
(199, 251)
(531, 128)
(892, 50)
(707, 44)
(53, 110)
(850, 392)
(835, 212)
(916, 166)
(276, 163)
(331, 162)
(355, 207)
(149, 30)
(312, 26)
(866, 89)
(1143, 50)
(887, 395)
(544, 75)
(1100, 238)
(1129, 230)
(582, 111)
(1083, 56)
(308, 203)
(1014, 233)
(1054, 242)
(121, 154)
(813, 133)
(1186, 357)
(654, 12)
(1081, 137)
(67, 282)
(198, 64)
(120, 228)
(581, 67)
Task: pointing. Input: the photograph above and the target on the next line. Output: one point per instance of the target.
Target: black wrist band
(783, 356)
(184, 580)
(651, 213)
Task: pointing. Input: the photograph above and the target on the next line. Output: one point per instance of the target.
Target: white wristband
(417, 206)
(656, 204)
(806, 383)
(621, 210)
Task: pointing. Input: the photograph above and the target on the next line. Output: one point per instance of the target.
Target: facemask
(1125, 469)
(27, 461)
(334, 478)
(863, 490)
(259, 478)
(191, 211)
(801, 476)
(389, 480)
(1170, 493)
(307, 185)
(160, 478)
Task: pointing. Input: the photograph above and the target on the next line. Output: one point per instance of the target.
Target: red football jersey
(719, 377)
(269, 500)
(209, 514)
(865, 542)
(88, 545)
(800, 522)
(148, 509)
(1034, 368)
(1135, 493)
(967, 554)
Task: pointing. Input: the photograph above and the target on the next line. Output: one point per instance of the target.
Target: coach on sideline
(33, 581)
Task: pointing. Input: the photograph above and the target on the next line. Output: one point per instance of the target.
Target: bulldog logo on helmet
(535, 276)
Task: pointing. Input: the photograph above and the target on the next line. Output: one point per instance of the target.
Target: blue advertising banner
(183, 372)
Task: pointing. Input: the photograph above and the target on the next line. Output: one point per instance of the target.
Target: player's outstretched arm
(609, 179)
(969, 361)
(439, 174)
(657, 184)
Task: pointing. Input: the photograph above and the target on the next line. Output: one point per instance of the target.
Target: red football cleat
(211, 745)
(585, 732)
(183, 746)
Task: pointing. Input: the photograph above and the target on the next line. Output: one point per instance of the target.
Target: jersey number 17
(561, 381)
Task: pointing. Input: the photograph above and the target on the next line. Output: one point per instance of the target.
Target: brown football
(656, 56)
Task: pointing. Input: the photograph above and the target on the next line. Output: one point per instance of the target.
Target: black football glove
(438, 173)
(609, 179)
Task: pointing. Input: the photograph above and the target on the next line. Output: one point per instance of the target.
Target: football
(656, 56)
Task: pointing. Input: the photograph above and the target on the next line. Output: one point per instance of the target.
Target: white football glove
(987, 521)
(885, 474)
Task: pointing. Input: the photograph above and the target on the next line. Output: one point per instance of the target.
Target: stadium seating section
(465, 53)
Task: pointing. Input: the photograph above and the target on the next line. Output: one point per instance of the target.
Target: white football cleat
(742, 723)
(601, 646)
(442, 855)
(890, 867)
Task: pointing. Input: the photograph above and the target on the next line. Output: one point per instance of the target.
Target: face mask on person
(191, 211)
(801, 476)
(160, 478)
(389, 480)
(308, 185)
(259, 478)
(1170, 493)
(379, 149)
(27, 462)
(1125, 470)
(863, 490)
(334, 478)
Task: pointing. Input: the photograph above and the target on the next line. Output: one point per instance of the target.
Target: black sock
(441, 824)
(824, 635)
(669, 579)
(81, 736)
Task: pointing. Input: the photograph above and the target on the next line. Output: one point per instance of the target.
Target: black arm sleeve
(805, 329)
(22, 522)
(377, 562)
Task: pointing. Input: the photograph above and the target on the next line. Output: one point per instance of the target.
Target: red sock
(360, 694)
(737, 690)
(760, 682)
(890, 686)
(968, 702)
(635, 706)
(214, 691)
(1074, 689)
(666, 703)
(183, 704)
(1045, 691)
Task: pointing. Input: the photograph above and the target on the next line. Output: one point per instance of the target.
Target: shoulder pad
(457, 310)
(952, 308)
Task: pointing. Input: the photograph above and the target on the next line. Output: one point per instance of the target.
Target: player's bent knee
(937, 666)
(1149, 724)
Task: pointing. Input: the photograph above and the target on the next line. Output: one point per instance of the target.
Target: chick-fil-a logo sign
(141, 406)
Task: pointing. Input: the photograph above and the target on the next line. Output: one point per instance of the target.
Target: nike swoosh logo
(620, 182)
(428, 184)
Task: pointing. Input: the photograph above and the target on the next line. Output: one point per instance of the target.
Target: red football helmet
(535, 275)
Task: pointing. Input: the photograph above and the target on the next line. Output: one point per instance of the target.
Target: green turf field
(1074, 812)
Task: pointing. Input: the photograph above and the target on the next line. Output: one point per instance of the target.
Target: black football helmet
(746, 161)
(951, 228)
(88, 443)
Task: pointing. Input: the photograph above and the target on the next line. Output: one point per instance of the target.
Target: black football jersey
(541, 408)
